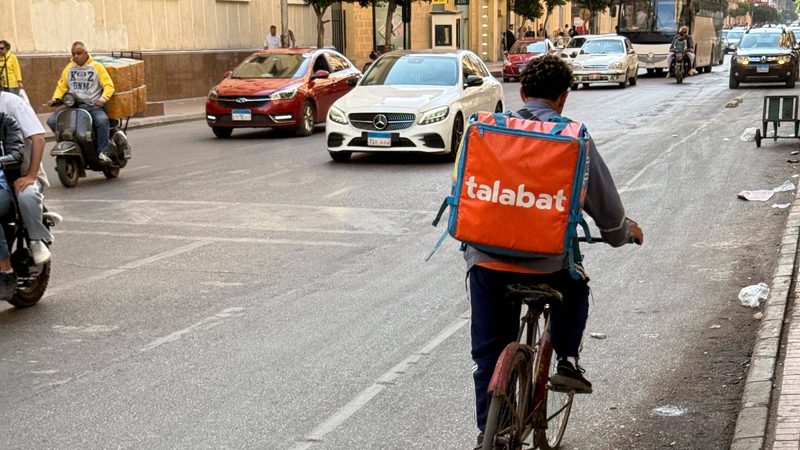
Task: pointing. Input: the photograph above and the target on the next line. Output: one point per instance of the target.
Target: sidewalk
(770, 408)
(181, 110)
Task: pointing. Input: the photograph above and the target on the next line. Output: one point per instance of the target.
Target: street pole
(284, 23)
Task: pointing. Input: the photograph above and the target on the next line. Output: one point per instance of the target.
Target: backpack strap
(525, 114)
(561, 123)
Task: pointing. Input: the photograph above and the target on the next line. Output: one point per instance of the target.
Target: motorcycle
(680, 66)
(75, 148)
(32, 279)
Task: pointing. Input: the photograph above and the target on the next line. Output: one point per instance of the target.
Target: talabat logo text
(521, 198)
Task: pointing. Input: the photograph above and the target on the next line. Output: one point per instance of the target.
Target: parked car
(765, 55)
(574, 46)
(281, 88)
(605, 59)
(731, 38)
(523, 51)
(412, 100)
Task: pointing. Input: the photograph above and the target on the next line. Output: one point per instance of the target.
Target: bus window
(666, 15)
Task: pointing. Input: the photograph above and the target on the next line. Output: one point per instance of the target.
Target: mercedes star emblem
(763, 59)
(380, 122)
(650, 55)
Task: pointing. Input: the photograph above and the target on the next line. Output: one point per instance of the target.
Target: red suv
(280, 88)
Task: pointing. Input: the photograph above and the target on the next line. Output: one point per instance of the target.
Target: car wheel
(634, 79)
(506, 79)
(574, 86)
(222, 132)
(623, 84)
(455, 137)
(585, 85)
(340, 156)
(305, 126)
(790, 82)
(733, 83)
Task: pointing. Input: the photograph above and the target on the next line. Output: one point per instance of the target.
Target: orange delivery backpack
(519, 187)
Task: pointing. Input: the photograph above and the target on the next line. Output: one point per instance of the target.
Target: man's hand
(53, 102)
(22, 183)
(100, 101)
(636, 232)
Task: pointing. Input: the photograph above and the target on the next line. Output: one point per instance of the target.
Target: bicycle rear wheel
(557, 409)
(510, 390)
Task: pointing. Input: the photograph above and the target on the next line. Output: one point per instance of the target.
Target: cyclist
(544, 89)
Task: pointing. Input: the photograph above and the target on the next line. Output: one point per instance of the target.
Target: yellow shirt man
(10, 72)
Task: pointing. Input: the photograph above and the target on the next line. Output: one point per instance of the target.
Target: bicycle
(521, 397)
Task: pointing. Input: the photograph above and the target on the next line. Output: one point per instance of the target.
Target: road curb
(146, 122)
(751, 424)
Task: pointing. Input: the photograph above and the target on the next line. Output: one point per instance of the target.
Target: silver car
(605, 59)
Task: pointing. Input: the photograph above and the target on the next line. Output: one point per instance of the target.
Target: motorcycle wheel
(68, 171)
(679, 74)
(31, 295)
(111, 172)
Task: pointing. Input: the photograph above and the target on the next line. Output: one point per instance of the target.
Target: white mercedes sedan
(412, 100)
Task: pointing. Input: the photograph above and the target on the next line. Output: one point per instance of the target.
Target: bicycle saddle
(539, 295)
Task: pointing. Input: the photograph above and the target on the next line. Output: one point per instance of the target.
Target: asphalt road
(251, 293)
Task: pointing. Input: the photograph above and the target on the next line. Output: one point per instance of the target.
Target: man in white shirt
(273, 40)
(29, 187)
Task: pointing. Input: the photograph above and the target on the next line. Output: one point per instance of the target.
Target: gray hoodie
(602, 203)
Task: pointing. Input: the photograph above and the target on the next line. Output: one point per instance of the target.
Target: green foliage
(741, 10)
(765, 14)
(550, 5)
(529, 9)
(788, 16)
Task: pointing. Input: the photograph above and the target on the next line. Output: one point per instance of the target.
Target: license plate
(379, 140)
(595, 76)
(762, 68)
(241, 115)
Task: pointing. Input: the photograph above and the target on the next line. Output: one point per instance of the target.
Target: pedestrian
(508, 38)
(529, 33)
(10, 72)
(572, 32)
(30, 186)
(542, 33)
(272, 40)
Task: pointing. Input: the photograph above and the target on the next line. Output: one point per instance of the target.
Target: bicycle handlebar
(598, 239)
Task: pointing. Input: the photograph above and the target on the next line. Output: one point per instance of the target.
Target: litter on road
(752, 295)
(749, 135)
(756, 196)
(781, 205)
(785, 187)
(598, 335)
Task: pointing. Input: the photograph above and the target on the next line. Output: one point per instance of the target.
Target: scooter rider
(90, 83)
(30, 186)
(683, 33)
(11, 145)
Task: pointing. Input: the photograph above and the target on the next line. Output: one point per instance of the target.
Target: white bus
(652, 24)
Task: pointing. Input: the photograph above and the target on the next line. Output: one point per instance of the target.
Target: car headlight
(337, 115)
(743, 60)
(434, 115)
(285, 94)
(213, 94)
(616, 65)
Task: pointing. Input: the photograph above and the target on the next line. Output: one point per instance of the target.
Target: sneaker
(692, 72)
(40, 252)
(53, 217)
(570, 378)
(8, 284)
(480, 441)
(104, 159)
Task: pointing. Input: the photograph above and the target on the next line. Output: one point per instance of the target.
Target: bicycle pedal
(563, 389)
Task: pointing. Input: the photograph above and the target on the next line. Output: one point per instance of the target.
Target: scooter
(76, 148)
(680, 66)
(32, 279)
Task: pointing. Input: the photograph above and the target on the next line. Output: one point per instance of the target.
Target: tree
(788, 16)
(319, 7)
(765, 14)
(594, 7)
(529, 9)
(742, 10)
(550, 5)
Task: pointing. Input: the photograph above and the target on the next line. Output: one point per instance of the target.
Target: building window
(443, 35)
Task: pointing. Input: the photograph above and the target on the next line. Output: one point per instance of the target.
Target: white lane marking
(136, 168)
(246, 180)
(339, 192)
(661, 157)
(234, 227)
(205, 324)
(121, 203)
(206, 240)
(132, 265)
(361, 400)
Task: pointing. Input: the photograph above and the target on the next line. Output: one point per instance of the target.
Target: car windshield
(275, 65)
(760, 40)
(520, 48)
(733, 36)
(576, 43)
(603, 47)
(413, 70)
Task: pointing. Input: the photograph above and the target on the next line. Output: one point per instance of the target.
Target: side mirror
(574, 54)
(474, 81)
(352, 81)
(227, 74)
(321, 74)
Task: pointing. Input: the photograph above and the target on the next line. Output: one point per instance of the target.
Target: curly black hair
(546, 77)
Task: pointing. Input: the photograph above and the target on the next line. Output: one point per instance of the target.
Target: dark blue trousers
(495, 322)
